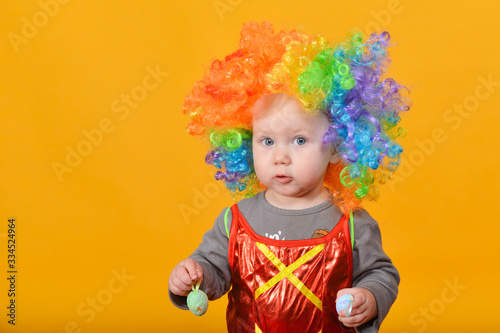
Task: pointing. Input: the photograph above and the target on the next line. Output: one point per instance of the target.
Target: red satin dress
(286, 286)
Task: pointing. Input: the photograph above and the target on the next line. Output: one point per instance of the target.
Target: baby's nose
(281, 156)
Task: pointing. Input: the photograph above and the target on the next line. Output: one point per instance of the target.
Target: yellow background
(117, 211)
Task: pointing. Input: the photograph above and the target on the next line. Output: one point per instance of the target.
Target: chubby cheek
(263, 172)
(260, 166)
(311, 166)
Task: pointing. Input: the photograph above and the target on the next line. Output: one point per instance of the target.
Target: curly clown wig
(342, 80)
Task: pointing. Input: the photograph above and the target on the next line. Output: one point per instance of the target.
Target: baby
(289, 251)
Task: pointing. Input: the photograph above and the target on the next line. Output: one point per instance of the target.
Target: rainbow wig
(342, 80)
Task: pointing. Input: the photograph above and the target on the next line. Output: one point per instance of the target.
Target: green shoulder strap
(225, 221)
(351, 222)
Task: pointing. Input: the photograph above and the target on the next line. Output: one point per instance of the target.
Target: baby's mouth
(283, 179)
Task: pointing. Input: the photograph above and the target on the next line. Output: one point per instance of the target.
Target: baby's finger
(178, 291)
(194, 269)
(349, 321)
(356, 318)
(183, 275)
(180, 285)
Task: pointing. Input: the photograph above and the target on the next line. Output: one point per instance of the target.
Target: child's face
(289, 156)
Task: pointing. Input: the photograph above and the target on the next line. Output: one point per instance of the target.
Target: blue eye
(300, 141)
(267, 142)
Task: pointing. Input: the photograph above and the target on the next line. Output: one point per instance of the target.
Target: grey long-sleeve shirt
(372, 268)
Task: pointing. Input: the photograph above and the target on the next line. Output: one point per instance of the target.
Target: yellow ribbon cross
(286, 272)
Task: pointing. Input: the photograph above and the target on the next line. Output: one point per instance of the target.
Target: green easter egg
(197, 302)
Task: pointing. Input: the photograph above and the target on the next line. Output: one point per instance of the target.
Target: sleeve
(212, 255)
(373, 269)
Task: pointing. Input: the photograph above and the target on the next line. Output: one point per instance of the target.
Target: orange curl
(343, 197)
(226, 94)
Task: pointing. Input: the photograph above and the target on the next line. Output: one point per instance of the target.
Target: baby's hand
(185, 274)
(364, 307)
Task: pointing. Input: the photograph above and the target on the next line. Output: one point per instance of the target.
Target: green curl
(345, 176)
(323, 71)
(362, 182)
(347, 83)
(230, 140)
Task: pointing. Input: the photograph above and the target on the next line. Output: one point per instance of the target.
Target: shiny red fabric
(283, 307)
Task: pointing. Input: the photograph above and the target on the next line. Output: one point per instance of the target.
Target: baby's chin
(294, 198)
